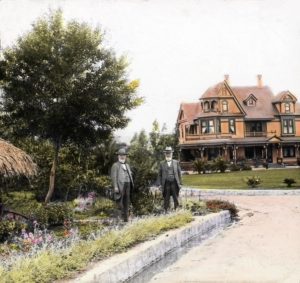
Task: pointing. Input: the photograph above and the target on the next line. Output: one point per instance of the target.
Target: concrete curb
(124, 266)
(189, 191)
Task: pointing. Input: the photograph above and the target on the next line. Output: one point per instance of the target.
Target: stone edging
(123, 266)
(188, 191)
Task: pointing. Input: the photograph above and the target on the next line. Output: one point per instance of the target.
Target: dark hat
(168, 149)
(122, 151)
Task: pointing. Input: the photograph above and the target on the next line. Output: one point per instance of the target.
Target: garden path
(263, 246)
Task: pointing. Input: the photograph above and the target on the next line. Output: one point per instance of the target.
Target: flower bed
(59, 259)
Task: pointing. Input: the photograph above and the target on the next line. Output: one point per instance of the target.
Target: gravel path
(264, 246)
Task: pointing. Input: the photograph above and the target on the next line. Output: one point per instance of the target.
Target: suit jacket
(163, 173)
(115, 170)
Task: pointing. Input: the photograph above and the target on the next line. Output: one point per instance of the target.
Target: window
(287, 107)
(207, 127)
(224, 106)
(251, 102)
(214, 105)
(288, 126)
(288, 151)
(193, 129)
(206, 106)
(231, 125)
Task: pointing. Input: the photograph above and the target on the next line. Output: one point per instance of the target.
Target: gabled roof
(263, 109)
(282, 95)
(213, 91)
(251, 96)
(190, 111)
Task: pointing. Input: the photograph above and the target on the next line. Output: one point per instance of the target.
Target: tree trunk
(53, 174)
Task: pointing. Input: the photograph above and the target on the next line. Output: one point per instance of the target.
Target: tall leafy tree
(63, 85)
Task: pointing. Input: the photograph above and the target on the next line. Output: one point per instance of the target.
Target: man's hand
(116, 190)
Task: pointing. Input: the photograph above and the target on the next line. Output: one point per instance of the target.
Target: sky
(179, 48)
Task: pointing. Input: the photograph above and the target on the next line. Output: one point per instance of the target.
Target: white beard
(168, 158)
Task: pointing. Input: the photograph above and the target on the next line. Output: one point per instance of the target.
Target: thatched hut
(14, 161)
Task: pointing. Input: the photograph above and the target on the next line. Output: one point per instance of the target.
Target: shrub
(196, 207)
(220, 165)
(253, 181)
(52, 214)
(217, 205)
(8, 228)
(200, 166)
(234, 167)
(289, 182)
(246, 167)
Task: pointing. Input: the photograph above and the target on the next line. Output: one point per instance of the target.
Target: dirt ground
(264, 246)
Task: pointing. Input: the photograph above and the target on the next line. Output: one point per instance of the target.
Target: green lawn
(271, 179)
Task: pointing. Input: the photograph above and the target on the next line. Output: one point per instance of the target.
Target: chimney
(226, 78)
(259, 81)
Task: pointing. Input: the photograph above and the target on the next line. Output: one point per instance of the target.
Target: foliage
(145, 202)
(217, 205)
(196, 207)
(200, 166)
(8, 228)
(253, 181)
(220, 165)
(145, 153)
(234, 167)
(51, 214)
(289, 182)
(54, 264)
(61, 84)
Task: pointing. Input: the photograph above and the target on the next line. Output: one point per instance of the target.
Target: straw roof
(14, 161)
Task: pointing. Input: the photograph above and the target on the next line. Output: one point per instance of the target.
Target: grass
(271, 179)
(51, 265)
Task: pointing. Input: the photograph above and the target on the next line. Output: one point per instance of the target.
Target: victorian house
(247, 123)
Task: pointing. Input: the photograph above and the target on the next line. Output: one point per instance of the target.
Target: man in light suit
(169, 178)
(122, 181)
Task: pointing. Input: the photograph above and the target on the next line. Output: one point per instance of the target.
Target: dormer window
(214, 105)
(251, 100)
(287, 107)
(206, 106)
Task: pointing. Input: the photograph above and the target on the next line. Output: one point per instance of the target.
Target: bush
(144, 202)
(200, 166)
(217, 205)
(8, 228)
(289, 182)
(253, 181)
(246, 167)
(234, 167)
(52, 214)
(220, 165)
(196, 207)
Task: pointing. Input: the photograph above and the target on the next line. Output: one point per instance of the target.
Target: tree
(61, 84)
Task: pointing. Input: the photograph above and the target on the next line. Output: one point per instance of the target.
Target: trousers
(124, 201)
(170, 189)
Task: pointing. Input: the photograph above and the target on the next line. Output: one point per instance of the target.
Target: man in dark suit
(169, 178)
(122, 181)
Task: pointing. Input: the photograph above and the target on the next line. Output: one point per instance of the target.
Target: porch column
(225, 152)
(234, 153)
(266, 152)
(201, 152)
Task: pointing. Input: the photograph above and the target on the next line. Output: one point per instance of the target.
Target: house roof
(264, 102)
(190, 111)
(280, 96)
(263, 108)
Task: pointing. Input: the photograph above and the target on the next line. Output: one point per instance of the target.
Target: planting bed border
(121, 267)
